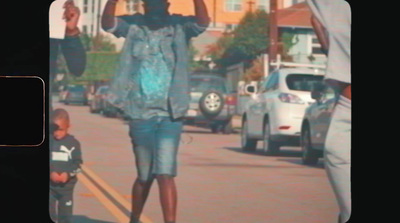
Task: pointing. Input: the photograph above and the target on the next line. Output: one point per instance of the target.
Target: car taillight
(230, 100)
(290, 98)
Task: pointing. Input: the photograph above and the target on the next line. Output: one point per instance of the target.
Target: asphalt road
(217, 182)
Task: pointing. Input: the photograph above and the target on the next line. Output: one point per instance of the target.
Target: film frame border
(44, 110)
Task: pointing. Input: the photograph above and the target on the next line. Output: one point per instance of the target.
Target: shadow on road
(206, 131)
(285, 154)
(84, 219)
(259, 152)
(240, 165)
(319, 165)
(197, 131)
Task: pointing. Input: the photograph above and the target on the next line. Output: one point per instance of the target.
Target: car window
(206, 84)
(272, 82)
(76, 88)
(302, 82)
(329, 93)
(102, 90)
(261, 85)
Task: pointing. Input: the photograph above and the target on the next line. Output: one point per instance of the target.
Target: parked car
(276, 109)
(98, 100)
(314, 127)
(62, 95)
(110, 110)
(75, 94)
(211, 103)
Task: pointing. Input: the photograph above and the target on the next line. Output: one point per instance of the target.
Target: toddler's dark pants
(61, 202)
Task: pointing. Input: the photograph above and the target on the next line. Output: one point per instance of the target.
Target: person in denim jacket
(151, 87)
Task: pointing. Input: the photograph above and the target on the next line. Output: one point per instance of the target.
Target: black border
(24, 171)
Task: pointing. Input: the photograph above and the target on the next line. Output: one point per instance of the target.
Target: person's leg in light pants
(338, 156)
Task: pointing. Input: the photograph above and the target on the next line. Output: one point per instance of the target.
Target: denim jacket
(183, 29)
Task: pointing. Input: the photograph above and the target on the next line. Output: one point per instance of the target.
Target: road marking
(115, 211)
(117, 196)
(86, 195)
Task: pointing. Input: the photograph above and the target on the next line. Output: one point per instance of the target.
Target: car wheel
(214, 128)
(91, 108)
(111, 114)
(270, 147)
(211, 104)
(310, 156)
(227, 128)
(248, 144)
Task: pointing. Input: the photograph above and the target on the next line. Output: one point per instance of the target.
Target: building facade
(225, 15)
(295, 20)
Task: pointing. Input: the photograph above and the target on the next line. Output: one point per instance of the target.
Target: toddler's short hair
(60, 113)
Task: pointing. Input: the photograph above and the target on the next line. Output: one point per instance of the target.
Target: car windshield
(102, 90)
(302, 82)
(76, 88)
(200, 84)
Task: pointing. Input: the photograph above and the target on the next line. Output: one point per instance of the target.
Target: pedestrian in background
(332, 22)
(151, 87)
(65, 164)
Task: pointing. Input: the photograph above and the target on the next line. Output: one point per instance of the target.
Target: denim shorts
(155, 145)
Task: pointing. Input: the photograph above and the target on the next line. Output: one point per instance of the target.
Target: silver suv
(211, 102)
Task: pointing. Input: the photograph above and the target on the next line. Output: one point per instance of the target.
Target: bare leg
(168, 197)
(140, 192)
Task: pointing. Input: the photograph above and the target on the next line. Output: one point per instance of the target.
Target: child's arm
(75, 167)
(71, 46)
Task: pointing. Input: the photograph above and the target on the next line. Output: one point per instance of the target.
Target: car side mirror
(316, 94)
(317, 91)
(250, 89)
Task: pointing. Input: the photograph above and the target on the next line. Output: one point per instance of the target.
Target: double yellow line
(107, 203)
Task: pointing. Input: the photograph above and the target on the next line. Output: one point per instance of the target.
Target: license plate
(192, 113)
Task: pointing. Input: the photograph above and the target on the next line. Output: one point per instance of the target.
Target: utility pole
(98, 17)
(214, 12)
(251, 3)
(273, 31)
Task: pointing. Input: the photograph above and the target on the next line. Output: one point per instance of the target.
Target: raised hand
(71, 15)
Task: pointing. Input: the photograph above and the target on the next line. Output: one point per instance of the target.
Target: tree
(256, 71)
(285, 43)
(217, 50)
(195, 65)
(250, 39)
(102, 43)
(98, 43)
(101, 59)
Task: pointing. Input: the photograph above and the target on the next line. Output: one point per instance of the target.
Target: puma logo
(69, 203)
(66, 150)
